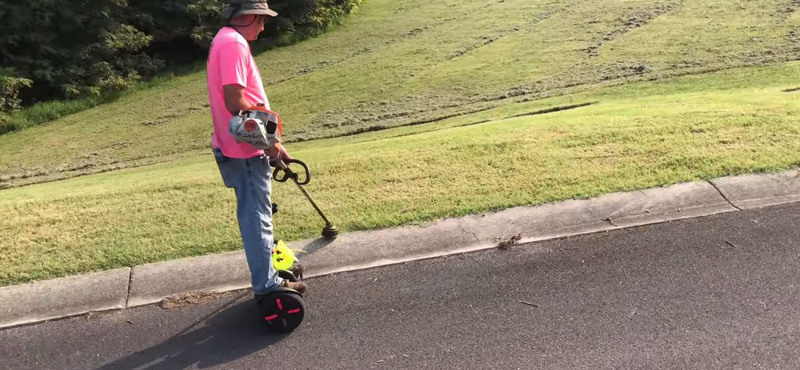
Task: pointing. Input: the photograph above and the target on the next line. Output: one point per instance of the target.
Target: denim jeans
(251, 180)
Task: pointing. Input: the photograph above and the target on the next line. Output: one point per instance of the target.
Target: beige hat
(245, 7)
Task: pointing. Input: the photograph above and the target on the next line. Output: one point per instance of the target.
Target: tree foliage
(68, 49)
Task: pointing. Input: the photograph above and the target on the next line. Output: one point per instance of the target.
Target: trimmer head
(330, 232)
(283, 173)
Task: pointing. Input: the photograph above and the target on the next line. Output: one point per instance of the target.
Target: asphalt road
(720, 292)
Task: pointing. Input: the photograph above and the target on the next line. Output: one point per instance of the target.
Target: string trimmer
(262, 128)
(283, 173)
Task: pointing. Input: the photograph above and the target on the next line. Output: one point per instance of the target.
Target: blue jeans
(251, 180)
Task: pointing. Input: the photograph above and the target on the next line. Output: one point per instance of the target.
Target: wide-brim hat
(246, 7)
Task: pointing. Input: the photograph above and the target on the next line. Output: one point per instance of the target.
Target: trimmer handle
(282, 172)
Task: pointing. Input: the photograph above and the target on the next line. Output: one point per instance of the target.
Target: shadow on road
(315, 246)
(227, 334)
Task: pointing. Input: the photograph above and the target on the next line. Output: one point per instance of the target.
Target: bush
(9, 92)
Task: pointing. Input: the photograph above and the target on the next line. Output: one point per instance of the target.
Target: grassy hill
(417, 110)
(401, 63)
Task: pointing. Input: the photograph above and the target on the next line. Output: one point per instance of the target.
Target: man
(234, 84)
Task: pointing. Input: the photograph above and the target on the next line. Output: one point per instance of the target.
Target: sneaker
(299, 286)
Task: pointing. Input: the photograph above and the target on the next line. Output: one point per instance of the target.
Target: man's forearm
(234, 106)
(234, 99)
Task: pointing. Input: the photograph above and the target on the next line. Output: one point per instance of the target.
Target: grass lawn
(396, 63)
(636, 136)
(416, 110)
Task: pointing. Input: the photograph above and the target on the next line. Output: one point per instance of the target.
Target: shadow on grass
(227, 334)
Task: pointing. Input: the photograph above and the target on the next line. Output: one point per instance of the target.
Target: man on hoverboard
(234, 86)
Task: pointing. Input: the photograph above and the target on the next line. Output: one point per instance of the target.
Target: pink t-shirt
(230, 62)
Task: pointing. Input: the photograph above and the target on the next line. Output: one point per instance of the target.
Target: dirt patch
(183, 300)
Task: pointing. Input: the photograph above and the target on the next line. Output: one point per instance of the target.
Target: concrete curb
(214, 273)
(63, 297)
(756, 191)
(141, 285)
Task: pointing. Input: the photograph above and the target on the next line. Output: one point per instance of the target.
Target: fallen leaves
(507, 244)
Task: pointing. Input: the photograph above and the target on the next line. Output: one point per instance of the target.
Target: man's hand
(284, 155)
(278, 152)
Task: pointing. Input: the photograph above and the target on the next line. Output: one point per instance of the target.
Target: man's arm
(234, 98)
(235, 102)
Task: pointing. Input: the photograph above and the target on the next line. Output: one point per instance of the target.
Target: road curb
(146, 284)
(63, 297)
(213, 273)
(756, 191)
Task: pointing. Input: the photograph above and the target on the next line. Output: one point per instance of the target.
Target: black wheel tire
(283, 312)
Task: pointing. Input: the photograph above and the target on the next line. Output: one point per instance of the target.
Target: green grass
(415, 110)
(636, 136)
(397, 63)
(47, 111)
(44, 112)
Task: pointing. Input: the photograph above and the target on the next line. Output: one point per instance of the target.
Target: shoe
(297, 269)
(299, 286)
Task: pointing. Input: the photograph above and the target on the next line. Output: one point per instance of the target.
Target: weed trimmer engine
(258, 127)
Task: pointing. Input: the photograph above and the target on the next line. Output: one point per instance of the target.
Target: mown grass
(636, 136)
(397, 63)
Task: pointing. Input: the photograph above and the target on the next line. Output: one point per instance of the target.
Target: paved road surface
(721, 292)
